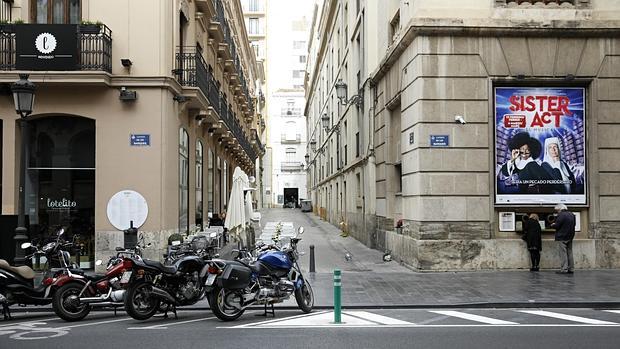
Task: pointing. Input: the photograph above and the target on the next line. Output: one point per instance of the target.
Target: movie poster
(540, 146)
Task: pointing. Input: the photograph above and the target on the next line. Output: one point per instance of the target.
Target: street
(361, 328)
(383, 302)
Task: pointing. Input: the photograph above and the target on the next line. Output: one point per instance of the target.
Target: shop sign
(540, 145)
(61, 204)
(46, 47)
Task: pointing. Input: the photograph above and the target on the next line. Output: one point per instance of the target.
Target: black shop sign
(46, 47)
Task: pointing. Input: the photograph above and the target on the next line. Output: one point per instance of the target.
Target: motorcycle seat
(260, 268)
(24, 271)
(158, 265)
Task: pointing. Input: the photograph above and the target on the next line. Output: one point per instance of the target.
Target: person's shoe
(570, 272)
(535, 269)
(561, 272)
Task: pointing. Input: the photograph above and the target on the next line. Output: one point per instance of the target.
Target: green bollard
(337, 299)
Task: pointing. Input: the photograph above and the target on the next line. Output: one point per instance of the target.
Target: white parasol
(236, 216)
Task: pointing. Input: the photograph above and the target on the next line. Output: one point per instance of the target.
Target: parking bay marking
(477, 318)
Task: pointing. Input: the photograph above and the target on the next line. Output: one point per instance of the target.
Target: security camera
(459, 120)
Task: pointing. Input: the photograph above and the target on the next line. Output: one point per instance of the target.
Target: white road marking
(568, 317)
(380, 319)
(277, 320)
(95, 323)
(28, 322)
(477, 318)
(165, 326)
(613, 311)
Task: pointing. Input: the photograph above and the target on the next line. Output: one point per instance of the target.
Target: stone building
(446, 86)
(154, 97)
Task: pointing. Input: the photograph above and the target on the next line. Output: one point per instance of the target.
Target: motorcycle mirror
(98, 262)
(176, 242)
(26, 245)
(300, 230)
(149, 244)
(61, 231)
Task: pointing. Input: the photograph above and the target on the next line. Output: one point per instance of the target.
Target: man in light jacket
(564, 226)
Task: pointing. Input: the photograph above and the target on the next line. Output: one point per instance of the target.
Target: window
(183, 180)
(254, 5)
(298, 74)
(210, 184)
(290, 154)
(394, 26)
(256, 48)
(199, 183)
(302, 59)
(253, 25)
(55, 11)
(357, 144)
(297, 45)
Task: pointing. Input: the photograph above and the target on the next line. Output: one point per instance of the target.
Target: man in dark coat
(564, 226)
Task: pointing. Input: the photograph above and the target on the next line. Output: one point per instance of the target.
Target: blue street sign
(140, 140)
(440, 141)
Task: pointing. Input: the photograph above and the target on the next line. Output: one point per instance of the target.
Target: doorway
(291, 197)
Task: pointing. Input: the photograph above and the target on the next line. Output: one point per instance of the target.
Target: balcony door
(55, 11)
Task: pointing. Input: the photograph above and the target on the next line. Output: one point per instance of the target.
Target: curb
(485, 305)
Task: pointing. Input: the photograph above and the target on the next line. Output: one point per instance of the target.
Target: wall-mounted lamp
(313, 145)
(307, 157)
(341, 93)
(127, 95)
(126, 62)
(325, 121)
(200, 118)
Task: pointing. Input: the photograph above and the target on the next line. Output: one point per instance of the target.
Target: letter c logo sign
(45, 43)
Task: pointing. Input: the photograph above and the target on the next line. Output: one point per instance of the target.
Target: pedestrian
(532, 236)
(564, 226)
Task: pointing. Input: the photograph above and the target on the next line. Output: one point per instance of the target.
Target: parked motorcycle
(275, 275)
(73, 301)
(17, 283)
(151, 284)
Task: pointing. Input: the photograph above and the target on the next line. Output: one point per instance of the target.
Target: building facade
(459, 99)
(285, 124)
(145, 124)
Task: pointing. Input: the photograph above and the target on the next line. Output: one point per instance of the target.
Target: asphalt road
(361, 328)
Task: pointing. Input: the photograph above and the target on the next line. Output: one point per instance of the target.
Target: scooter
(17, 283)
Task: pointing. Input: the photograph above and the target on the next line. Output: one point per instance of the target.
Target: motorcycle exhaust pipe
(158, 292)
(99, 299)
(111, 297)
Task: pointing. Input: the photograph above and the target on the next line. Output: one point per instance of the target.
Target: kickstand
(272, 312)
(174, 310)
(6, 312)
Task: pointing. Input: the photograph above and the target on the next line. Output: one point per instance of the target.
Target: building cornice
(490, 28)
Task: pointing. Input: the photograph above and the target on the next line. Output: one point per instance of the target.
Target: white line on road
(28, 322)
(96, 323)
(165, 326)
(380, 319)
(567, 317)
(414, 326)
(477, 318)
(613, 311)
(278, 320)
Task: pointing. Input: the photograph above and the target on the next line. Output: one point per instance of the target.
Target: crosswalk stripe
(567, 317)
(613, 311)
(477, 318)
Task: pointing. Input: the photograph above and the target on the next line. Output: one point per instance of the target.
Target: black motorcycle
(153, 286)
(17, 283)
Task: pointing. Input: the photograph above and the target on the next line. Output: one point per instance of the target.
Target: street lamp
(325, 121)
(313, 145)
(307, 157)
(23, 96)
(341, 93)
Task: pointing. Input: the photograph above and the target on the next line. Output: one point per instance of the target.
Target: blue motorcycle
(272, 277)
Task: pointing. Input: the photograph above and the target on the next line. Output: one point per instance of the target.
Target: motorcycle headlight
(48, 247)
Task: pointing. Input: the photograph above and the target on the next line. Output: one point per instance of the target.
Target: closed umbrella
(236, 215)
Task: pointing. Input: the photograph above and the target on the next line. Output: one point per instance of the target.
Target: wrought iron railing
(219, 11)
(94, 49)
(561, 3)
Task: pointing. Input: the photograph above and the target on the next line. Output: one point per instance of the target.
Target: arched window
(183, 180)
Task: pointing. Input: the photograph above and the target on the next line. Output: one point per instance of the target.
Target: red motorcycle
(73, 301)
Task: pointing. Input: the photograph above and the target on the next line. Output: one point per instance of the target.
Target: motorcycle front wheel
(66, 303)
(225, 304)
(305, 297)
(140, 304)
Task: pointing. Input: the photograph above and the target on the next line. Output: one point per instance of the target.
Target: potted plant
(88, 27)
(7, 27)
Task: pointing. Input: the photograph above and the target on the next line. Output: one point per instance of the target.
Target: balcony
(579, 4)
(216, 25)
(291, 166)
(294, 112)
(191, 71)
(94, 48)
(290, 139)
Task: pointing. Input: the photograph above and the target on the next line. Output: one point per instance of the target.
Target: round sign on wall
(126, 206)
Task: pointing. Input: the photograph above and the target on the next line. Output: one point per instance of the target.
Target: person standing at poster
(523, 152)
(532, 235)
(564, 226)
(557, 168)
